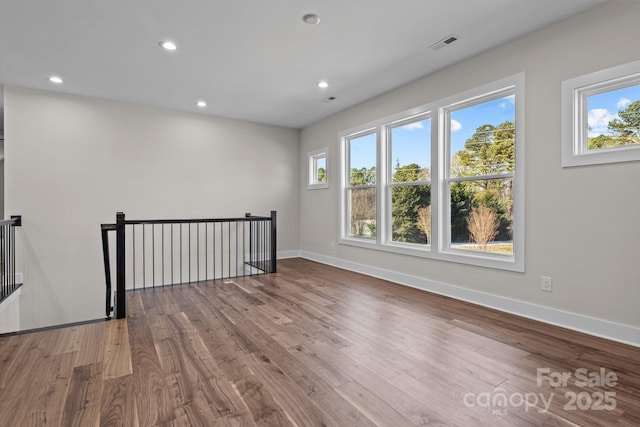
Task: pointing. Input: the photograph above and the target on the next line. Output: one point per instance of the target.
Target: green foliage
(461, 198)
(467, 195)
(490, 150)
(602, 141)
(494, 201)
(406, 202)
(363, 212)
(625, 130)
(628, 126)
(363, 176)
(363, 203)
(322, 175)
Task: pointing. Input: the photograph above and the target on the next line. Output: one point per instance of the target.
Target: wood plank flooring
(312, 346)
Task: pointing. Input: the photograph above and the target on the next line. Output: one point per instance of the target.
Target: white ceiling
(252, 59)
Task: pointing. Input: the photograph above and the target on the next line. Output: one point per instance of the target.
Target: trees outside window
(621, 130)
(424, 222)
(483, 225)
(361, 187)
(410, 184)
(481, 174)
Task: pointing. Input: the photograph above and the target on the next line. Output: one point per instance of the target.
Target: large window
(441, 181)
(601, 117)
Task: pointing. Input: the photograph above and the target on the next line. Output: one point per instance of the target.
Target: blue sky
(411, 143)
(604, 107)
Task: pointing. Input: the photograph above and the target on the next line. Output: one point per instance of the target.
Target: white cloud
(455, 125)
(598, 120)
(412, 126)
(511, 99)
(623, 102)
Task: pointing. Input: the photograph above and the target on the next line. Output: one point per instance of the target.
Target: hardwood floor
(313, 346)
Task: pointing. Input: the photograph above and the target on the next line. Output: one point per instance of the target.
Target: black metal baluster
(250, 245)
(222, 250)
(236, 249)
(153, 255)
(213, 250)
(6, 261)
(163, 283)
(172, 276)
(273, 241)
(206, 251)
(5, 279)
(244, 265)
(133, 252)
(144, 259)
(121, 300)
(107, 270)
(12, 256)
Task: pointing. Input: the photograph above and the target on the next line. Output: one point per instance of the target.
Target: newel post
(273, 241)
(121, 297)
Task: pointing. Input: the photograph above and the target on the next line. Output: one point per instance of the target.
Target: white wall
(10, 313)
(72, 162)
(582, 224)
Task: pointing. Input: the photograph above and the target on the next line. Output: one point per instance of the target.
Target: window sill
(497, 261)
(317, 186)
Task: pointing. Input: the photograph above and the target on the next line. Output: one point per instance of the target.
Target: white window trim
(439, 248)
(344, 203)
(313, 156)
(574, 116)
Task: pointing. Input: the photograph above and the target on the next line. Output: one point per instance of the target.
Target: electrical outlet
(546, 284)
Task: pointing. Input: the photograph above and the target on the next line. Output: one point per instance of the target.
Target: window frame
(345, 200)
(440, 247)
(445, 111)
(389, 184)
(575, 93)
(312, 163)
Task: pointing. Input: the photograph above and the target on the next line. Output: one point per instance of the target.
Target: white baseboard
(11, 299)
(288, 254)
(601, 328)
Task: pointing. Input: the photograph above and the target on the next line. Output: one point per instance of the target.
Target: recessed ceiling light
(311, 19)
(168, 45)
(323, 84)
(201, 104)
(55, 79)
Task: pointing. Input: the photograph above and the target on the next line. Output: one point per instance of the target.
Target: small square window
(601, 117)
(318, 162)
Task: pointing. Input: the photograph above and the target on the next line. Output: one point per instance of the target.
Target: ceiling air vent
(329, 99)
(444, 42)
